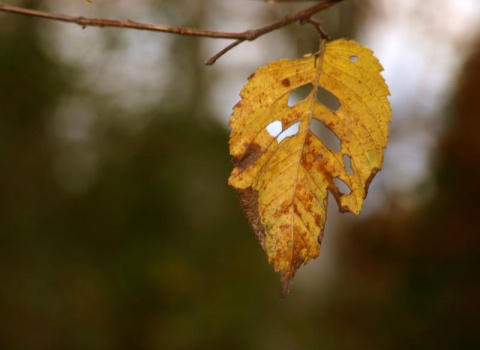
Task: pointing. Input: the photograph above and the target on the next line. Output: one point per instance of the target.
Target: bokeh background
(118, 229)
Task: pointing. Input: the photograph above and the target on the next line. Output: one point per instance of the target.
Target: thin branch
(222, 52)
(101, 22)
(239, 38)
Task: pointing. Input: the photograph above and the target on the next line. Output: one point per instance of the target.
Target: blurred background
(118, 229)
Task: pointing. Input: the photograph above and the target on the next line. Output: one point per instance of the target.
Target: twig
(239, 38)
(318, 25)
(222, 52)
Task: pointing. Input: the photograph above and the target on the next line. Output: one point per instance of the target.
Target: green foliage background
(156, 253)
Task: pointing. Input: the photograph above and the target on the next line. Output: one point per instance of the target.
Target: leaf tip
(286, 287)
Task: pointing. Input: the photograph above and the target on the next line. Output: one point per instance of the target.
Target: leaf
(283, 181)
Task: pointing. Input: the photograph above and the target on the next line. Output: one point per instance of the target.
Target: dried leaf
(283, 180)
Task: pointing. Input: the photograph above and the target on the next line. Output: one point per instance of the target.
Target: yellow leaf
(283, 181)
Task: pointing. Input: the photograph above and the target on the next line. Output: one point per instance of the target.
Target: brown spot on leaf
(318, 218)
(286, 82)
(252, 153)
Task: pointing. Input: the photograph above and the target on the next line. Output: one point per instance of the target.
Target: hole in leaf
(341, 185)
(326, 135)
(291, 131)
(299, 94)
(347, 161)
(274, 128)
(353, 59)
(319, 157)
(328, 99)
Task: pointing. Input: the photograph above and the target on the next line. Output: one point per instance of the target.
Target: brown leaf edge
(249, 202)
